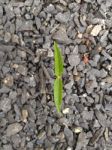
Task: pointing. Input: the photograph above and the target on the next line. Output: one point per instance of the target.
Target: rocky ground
(28, 117)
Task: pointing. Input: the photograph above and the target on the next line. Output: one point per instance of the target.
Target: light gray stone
(5, 104)
(13, 129)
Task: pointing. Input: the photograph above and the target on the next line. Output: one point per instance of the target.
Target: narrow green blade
(58, 91)
(58, 60)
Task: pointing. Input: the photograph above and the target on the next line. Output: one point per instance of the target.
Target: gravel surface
(28, 117)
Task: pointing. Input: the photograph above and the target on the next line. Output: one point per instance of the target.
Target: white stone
(96, 30)
(66, 110)
(78, 130)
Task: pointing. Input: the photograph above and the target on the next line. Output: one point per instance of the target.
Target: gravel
(28, 117)
(63, 18)
(69, 136)
(13, 129)
(5, 104)
(61, 35)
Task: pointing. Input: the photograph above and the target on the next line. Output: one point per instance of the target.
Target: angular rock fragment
(22, 70)
(9, 81)
(82, 141)
(22, 25)
(1, 12)
(74, 60)
(96, 136)
(9, 12)
(63, 18)
(5, 104)
(13, 129)
(96, 30)
(102, 119)
(7, 37)
(61, 35)
(69, 136)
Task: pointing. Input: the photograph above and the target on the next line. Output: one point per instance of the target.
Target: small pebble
(77, 130)
(63, 18)
(24, 115)
(13, 129)
(96, 30)
(22, 70)
(9, 81)
(5, 104)
(66, 110)
(15, 39)
(69, 136)
(7, 37)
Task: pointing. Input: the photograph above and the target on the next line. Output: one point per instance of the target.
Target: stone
(1, 12)
(106, 55)
(96, 30)
(5, 104)
(78, 130)
(90, 86)
(24, 115)
(32, 82)
(69, 136)
(9, 12)
(22, 70)
(28, 3)
(69, 148)
(61, 35)
(5, 69)
(66, 110)
(69, 85)
(82, 141)
(74, 60)
(16, 140)
(15, 39)
(78, 1)
(13, 129)
(7, 147)
(103, 73)
(38, 22)
(7, 37)
(21, 53)
(22, 25)
(63, 17)
(87, 115)
(50, 8)
(36, 2)
(9, 81)
(56, 128)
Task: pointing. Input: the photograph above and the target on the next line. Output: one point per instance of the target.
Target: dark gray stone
(63, 17)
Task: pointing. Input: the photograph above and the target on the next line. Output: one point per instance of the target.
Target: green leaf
(58, 60)
(58, 92)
